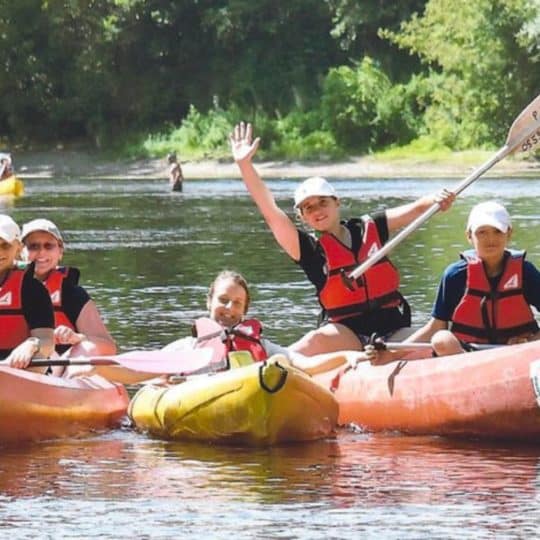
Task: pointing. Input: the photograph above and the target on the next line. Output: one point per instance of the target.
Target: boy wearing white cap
(353, 313)
(486, 296)
(26, 312)
(79, 326)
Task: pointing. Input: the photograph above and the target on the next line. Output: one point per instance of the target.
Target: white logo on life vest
(373, 249)
(6, 299)
(512, 282)
(55, 297)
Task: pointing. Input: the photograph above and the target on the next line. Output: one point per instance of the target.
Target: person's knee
(445, 343)
(304, 343)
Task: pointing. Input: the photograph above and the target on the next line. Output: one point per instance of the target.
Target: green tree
(356, 25)
(484, 55)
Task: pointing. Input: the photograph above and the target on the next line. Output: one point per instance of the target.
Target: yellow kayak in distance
(261, 404)
(12, 186)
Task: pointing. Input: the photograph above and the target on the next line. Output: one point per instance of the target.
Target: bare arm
(92, 337)
(21, 356)
(320, 363)
(243, 149)
(401, 216)
(424, 334)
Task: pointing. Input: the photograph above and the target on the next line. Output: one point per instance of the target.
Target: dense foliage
(319, 78)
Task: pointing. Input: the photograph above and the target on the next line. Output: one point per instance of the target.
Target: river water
(147, 257)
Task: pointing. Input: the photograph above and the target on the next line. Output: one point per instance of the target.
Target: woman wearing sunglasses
(78, 323)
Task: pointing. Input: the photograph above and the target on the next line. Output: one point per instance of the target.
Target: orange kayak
(36, 407)
(491, 393)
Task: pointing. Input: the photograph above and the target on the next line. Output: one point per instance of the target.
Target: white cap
(489, 213)
(9, 230)
(43, 225)
(313, 187)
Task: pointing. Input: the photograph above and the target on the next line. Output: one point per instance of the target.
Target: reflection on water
(147, 257)
(404, 487)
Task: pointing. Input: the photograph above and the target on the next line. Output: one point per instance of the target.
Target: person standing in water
(176, 178)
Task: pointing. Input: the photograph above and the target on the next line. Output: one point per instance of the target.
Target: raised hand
(243, 146)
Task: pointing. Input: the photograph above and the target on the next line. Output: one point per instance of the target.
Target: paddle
(524, 135)
(403, 345)
(179, 362)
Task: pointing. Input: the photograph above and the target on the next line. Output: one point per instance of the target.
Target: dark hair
(171, 158)
(237, 278)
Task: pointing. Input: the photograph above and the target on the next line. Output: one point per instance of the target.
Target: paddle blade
(524, 134)
(179, 362)
(188, 362)
(211, 335)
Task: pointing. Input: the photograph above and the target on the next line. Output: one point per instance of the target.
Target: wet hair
(171, 158)
(235, 277)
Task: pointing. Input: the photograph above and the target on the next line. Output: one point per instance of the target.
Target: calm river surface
(147, 257)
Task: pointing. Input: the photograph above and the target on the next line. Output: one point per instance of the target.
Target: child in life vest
(371, 304)
(486, 296)
(26, 312)
(228, 302)
(79, 327)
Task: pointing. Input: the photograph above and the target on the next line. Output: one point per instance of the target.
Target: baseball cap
(489, 213)
(315, 186)
(9, 230)
(41, 225)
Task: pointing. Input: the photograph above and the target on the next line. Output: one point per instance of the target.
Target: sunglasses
(47, 246)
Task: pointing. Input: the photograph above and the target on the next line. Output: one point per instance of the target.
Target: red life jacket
(54, 283)
(13, 326)
(486, 315)
(245, 336)
(376, 289)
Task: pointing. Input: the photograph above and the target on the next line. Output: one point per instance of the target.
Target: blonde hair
(237, 278)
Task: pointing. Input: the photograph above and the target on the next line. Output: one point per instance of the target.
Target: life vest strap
(393, 299)
(494, 295)
(500, 335)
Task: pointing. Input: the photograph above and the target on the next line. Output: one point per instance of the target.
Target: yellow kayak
(12, 186)
(260, 404)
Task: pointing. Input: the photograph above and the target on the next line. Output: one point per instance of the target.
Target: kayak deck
(261, 404)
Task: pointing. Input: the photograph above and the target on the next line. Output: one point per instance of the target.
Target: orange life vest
(487, 315)
(245, 336)
(13, 326)
(376, 289)
(54, 283)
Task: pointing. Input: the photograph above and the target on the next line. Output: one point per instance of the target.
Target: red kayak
(491, 393)
(36, 407)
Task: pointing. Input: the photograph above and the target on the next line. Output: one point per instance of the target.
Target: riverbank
(80, 164)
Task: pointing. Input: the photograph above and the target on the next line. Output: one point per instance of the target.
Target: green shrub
(349, 104)
(199, 136)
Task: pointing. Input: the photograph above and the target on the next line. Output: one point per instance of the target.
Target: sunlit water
(147, 257)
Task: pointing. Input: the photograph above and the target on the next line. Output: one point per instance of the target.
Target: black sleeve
(381, 222)
(36, 303)
(312, 259)
(74, 298)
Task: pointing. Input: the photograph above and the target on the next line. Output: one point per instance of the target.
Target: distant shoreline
(79, 164)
